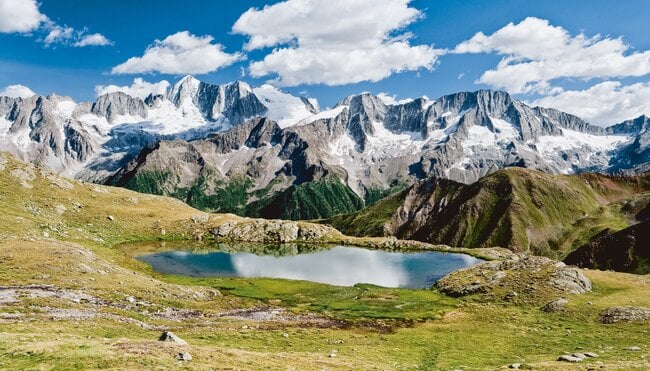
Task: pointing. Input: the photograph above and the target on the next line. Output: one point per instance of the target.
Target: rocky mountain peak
(117, 103)
(184, 90)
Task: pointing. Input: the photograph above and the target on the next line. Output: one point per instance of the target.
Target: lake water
(341, 266)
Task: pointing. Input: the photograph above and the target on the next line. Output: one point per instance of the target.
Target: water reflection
(342, 266)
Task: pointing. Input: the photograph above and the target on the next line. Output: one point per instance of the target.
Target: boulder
(625, 314)
(169, 336)
(556, 305)
(568, 358)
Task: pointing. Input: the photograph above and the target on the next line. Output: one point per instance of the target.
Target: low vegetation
(72, 298)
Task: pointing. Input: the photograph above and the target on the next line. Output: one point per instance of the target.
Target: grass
(519, 209)
(369, 327)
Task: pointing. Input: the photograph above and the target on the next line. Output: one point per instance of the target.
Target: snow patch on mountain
(570, 139)
(286, 109)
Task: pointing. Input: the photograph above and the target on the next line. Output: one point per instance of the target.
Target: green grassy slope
(515, 208)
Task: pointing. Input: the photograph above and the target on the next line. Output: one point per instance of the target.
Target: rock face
(277, 231)
(625, 314)
(531, 277)
(92, 140)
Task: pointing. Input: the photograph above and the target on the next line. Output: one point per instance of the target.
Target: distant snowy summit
(365, 140)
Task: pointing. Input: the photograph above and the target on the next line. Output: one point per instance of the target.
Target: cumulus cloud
(24, 16)
(17, 91)
(334, 42)
(536, 53)
(19, 16)
(139, 88)
(95, 39)
(604, 104)
(180, 53)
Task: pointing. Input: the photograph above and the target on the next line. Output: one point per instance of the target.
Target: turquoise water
(340, 265)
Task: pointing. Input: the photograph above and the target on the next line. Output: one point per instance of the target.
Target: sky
(590, 58)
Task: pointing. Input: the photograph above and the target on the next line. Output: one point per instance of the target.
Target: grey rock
(625, 314)
(169, 336)
(568, 358)
(185, 356)
(554, 306)
(515, 366)
(579, 355)
(632, 348)
(591, 355)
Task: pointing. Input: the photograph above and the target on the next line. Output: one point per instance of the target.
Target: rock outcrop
(625, 314)
(530, 277)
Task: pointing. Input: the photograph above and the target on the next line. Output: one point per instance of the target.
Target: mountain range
(262, 152)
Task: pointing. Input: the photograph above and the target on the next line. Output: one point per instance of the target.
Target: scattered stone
(59, 209)
(510, 295)
(568, 358)
(632, 348)
(591, 355)
(625, 314)
(130, 299)
(172, 338)
(285, 335)
(45, 234)
(184, 356)
(198, 219)
(25, 176)
(579, 355)
(556, 305)
(333, 353)
(110, 217)
(163, 232)
(515, 366)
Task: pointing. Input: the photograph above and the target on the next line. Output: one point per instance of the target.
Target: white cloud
(17, 91)
(536, 53)
(23, 16)
(58, 34)
(19, 16)
(180, 53)
(392, 99)
(139, 88)
(95, 39)
(604, 104)
(334, 42)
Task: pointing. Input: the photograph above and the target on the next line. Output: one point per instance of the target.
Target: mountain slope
(627, 250)
(515, 208)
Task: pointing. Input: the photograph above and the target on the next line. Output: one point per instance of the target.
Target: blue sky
(129, 27)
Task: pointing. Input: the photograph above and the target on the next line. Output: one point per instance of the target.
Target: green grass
(519, 209)
(370, 327)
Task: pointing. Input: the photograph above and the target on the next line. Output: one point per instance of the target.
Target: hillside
(520, 209)
(627, 250)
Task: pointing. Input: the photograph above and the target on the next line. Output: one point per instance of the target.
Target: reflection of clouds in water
(343, 266)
